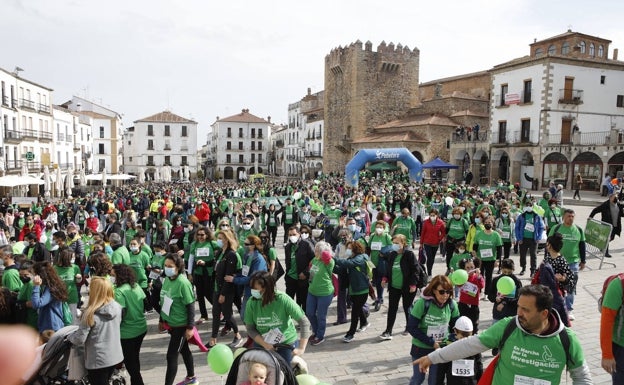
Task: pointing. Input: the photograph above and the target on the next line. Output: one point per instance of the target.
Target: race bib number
(154, 275)
(437, 332)
(271, 221)
(245, 270)
(273, 336)
(333, 222)
(486, 253)
(524, 380)
(166, 307)
(529, 227)
(173, 241)
(376, 246)
(470, 288)
(203, 252)
(289, 217)
(463, 368)
(505, 234)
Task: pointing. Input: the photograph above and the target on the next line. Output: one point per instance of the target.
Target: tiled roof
(243, 117)
(165, 117)
(419, 120)
(392, 137)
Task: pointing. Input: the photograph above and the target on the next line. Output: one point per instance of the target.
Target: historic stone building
(364, 89)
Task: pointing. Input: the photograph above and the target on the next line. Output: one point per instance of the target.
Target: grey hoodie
(102, 341)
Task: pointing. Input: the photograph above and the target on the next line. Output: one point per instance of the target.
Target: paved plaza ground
(368, 360)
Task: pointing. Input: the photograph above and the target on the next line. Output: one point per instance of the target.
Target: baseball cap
(463, 324)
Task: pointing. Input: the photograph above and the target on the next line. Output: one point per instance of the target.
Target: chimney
(309, 91)
(79, 106)
(217, 117)
(269, 118)
(615, 54)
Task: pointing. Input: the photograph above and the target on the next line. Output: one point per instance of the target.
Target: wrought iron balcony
(29, 104)
(12, 136)
(43, 108)
(570, 96)
(44, 135)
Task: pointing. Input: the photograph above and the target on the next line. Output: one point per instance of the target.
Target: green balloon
(505, 285)
(220, 358)
(307, 379)
(459, 277)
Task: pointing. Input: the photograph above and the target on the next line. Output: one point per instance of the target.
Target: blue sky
(203, 59)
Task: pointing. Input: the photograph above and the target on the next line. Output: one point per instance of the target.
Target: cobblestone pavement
(368, 360)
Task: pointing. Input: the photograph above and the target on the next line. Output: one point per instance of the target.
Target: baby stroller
(279, 372)
(54, 363)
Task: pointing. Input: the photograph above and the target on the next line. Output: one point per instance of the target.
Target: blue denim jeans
(569, 299)
(316, 311)
(418, 378)
(286, 353)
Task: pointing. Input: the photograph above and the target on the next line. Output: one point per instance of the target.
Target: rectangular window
(130, 159)
(502, 131)
(240, 145)
(150, 160)
(184, 131)
(240, 132)
(102, 164)
(260, 133)
(150, 144)
(241, 159)
(228, 158)
(259, 146)
(602, 79)
(253, 145)
(620, 101)
(167, 130)
(229, 132)
(101, 148)
(259, 158)
(167, 160)
(101, 132)
(504, 90)
(525, 131)
(253, 158)
(150, 130)
(184, 161)
(526, 97)
(253, 132)
(228, 145)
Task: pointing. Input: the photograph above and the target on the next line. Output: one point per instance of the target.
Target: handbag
(488, 374)
(76, 364)
(279, 271)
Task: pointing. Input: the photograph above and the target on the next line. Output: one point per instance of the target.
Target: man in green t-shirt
(533, 352)
(611, 334)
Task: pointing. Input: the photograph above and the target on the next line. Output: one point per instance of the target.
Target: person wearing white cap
(461, 372)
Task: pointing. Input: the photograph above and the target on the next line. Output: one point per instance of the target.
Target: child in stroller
(278, 372)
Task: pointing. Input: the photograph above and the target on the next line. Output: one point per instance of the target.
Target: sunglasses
(304, 232)
(246, 223)
(248, 244)
(442, 292)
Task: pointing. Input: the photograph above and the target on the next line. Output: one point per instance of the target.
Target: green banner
(598, 233)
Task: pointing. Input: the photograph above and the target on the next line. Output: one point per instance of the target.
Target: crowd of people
(159, 248)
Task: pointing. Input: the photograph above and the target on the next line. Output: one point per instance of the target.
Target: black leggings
(204, 286)
(272, 234)
(394, 295)
(224, 308)
(488, 268)
(178, 345)
(430, 252)
(297, 289)
(131, 348)
(100, 376)
(357, 312)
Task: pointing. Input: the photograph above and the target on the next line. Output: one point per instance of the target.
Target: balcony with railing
(77, 147)
(315, 154)
(279, 143)
(570, 96)
(29, 104)
(5, 101)
(515, 138)
(43, 108)
(462, 137)
(27, 133)
(60, 137)
(167, 147)
(12, 136)
(69, 138)
(14, 164)
(150, 163)
(600, 138)
(44, 135)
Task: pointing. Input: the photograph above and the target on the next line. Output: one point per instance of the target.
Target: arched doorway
(555, 168)
(616, 163)
(500, 165)
(228, 173)
(241, 174)
(418, 156)
(524, 171)
(589, 165)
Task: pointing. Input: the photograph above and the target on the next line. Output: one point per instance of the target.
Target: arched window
(592, 49)
(539, 52)
(600, 51)
(565, 48)
(552, 50)
(582, 46)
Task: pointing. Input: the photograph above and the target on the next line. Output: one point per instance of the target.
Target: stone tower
(363, 89)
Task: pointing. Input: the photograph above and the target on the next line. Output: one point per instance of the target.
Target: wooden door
(566, 129)
(567, 88)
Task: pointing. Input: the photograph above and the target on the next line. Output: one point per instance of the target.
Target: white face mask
(433, 218)
(461, 251)
(293, 238)
(379, 230)
(246, 227)
(305, 235)
(456, 216)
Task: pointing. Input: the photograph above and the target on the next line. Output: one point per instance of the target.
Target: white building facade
(163, 139)
(295, 146)
(240, 145)
(278, 166)
(313, 112)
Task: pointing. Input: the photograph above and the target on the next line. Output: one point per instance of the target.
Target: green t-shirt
(529, 228)
(527, 356)
(288, 215)
(397, 273)
(505, 230)
(130, 233)
(487, 244)
(277, 314)
(272, 254)
(158, 261)
(378, 242)
(68, 275)
(333, 216)
(457, 228)
(572, 236)
(456, 258)
(25, 294)
(179, 293)
(11, 279)
(613, 300)
(138, 263)
(321, 278)
(120, 255)
(553, 216)
(292, 272)
(405, 226)
(131, 298)
(436, 323)
(203, 251)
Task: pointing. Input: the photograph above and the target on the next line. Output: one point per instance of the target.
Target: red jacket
(432, 233)
(27, 230)
(93, 224)
(202, 212)
(465, 297)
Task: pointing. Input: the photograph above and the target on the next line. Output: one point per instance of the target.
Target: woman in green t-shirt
(70, 274)
(320, 291)
(269, 318)
(133, 324)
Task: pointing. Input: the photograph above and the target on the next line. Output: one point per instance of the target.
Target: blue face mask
(256, 294)
(352, 227)
(219, 243)
(396, 247)
(170, 271)
(477, 220)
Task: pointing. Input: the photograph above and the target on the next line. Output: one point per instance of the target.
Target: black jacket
(408, 264)
(39, 253)
(605, 212)
(303, 256)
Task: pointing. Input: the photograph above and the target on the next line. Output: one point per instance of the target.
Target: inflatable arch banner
(352, 171)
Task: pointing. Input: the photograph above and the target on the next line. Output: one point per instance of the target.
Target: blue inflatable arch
(352, 170)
